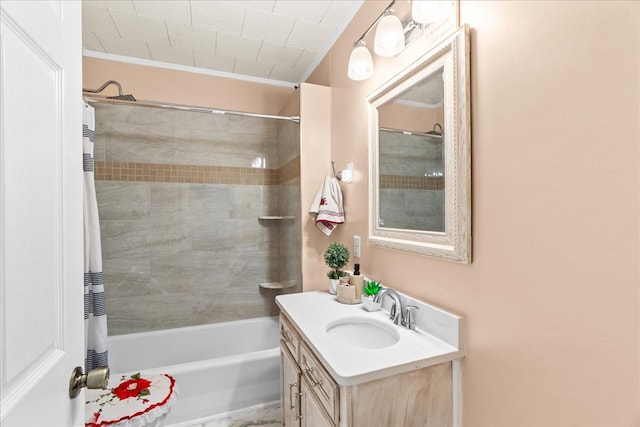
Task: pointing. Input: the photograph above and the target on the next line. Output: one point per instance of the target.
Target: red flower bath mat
(130, 401)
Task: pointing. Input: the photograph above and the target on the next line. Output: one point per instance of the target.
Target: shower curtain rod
(182, 107)
(406, 132)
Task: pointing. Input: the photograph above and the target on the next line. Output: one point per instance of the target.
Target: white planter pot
(369, 304)
(333, 286)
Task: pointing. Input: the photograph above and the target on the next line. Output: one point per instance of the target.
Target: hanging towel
(327, 205)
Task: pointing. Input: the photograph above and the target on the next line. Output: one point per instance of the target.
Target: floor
(264, 416)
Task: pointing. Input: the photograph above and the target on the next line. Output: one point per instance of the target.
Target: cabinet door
(290, 389)
(326, 390)
(312, 413)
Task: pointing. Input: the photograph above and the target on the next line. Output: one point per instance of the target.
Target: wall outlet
(356, 246)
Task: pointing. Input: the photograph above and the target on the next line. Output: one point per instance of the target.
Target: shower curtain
(95, 316)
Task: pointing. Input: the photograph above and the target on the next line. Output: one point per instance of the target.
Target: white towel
(327, 205)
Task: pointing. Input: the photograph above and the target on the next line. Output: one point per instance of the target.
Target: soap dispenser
(356, 280)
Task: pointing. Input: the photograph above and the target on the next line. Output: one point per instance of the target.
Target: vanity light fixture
(427, 11)
(360, 62)
(391, 36)
(389, 40)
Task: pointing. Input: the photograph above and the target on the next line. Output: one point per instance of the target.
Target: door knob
(95, 378)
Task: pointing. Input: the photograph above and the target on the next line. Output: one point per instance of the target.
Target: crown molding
(185, 68)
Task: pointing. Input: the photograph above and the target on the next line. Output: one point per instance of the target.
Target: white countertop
(311, 313)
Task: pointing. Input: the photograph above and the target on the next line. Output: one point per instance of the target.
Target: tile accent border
(289, 171)
(157, 172)
(412, 182)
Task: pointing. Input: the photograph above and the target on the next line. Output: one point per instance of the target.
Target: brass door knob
(97, 378)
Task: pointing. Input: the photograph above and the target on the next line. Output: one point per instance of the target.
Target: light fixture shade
(427, 11)
(360, 63)
(389, 39)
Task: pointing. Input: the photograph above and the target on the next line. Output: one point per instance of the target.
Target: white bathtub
(218, 368)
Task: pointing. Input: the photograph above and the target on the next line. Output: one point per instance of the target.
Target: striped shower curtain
(95, 316)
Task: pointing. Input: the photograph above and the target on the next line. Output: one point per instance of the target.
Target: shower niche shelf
(278, 285)
(274, 217)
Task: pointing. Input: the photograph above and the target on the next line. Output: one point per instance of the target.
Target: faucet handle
(410, 317)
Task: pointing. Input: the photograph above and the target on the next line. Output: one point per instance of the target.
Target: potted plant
(336, 256)
(369, 290)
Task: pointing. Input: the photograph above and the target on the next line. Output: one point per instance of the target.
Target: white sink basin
(363, 333)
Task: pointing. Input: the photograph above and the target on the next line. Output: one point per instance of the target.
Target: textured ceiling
(278, 40)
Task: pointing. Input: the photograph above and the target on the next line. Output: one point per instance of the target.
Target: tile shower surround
(181, 240)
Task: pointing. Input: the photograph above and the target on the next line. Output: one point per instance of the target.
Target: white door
(41, 275)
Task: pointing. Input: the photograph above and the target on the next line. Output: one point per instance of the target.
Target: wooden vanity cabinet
(307, 390)
(290, 388)
(312, 398)
(300, 407)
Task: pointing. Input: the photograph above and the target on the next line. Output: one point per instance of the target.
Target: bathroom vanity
(344, 366)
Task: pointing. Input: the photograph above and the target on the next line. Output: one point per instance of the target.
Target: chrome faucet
(398, 313)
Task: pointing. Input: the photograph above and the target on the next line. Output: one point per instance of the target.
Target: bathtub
(218, 368)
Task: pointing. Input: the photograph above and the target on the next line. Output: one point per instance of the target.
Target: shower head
(123, 97)
(120, 96)
(434, 131)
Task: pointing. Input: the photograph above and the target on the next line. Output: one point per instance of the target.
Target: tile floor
(264, 416)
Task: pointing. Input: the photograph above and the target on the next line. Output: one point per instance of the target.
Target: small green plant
(336, 257)
(371, 288)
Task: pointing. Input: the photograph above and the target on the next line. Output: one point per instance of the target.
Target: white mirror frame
(454, 244)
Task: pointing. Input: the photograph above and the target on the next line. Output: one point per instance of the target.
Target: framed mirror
(420, 155)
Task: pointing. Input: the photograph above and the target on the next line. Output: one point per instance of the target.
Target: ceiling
(281, 41)
(426, 93)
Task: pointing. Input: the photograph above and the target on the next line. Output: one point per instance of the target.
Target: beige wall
(179, 87)
(552, 296)
(315, 144)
